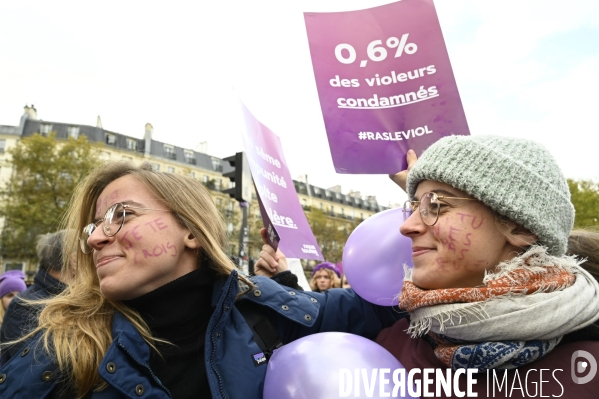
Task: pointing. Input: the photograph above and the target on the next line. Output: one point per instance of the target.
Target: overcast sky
(523, 68)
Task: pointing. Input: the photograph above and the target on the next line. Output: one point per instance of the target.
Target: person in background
(492, 287)
(12, 282)
(48, 281)
(325, 276)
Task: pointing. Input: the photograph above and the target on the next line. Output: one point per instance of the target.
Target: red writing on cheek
(475, 223)
(452, 239)
(441, 263)
(158, 223)
(135, 235)
(161, 249)
(437, 229)
(467, 242)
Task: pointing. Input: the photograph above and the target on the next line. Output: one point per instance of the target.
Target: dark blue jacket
(20, 319)
(229, 347)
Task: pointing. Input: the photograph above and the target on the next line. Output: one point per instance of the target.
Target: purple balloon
(374, 256)
(322, 366)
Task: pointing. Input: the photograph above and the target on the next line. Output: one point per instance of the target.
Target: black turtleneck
(179, 312)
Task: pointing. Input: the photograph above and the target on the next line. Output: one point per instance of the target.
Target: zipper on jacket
(147, 367)
(222, 315)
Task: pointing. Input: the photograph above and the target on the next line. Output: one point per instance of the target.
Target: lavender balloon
(322, 366)
(374, 256)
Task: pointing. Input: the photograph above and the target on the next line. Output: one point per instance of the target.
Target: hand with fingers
(401, 178)
(271, 262)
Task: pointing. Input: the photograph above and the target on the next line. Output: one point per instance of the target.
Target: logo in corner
(259, 359)
(579, 366)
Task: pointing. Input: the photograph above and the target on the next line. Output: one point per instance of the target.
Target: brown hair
(584, 243)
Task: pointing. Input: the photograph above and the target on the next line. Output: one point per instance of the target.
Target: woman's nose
(413, 225)
(98, 239)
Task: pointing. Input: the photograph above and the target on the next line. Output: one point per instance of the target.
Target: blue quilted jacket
(229, 347)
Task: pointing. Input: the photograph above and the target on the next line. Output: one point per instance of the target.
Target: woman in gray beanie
(491, 288)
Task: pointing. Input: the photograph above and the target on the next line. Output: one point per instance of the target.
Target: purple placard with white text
(280, 205)
(385, 84)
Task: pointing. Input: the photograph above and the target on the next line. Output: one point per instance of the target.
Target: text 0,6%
(346, 54)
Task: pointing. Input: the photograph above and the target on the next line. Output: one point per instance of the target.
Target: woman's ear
(191, 242)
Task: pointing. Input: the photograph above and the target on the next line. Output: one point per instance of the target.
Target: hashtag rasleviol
(395, 136)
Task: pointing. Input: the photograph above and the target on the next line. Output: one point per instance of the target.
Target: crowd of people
(136, 295)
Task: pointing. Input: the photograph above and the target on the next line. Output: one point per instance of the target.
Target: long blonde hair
(76, 324)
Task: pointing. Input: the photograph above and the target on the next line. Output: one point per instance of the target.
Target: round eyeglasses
(112, 222)
(430, 204)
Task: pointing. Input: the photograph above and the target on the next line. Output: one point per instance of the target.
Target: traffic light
(241, 176)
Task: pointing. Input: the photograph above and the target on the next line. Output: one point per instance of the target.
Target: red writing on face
(457, 240)
(161, 249)
(474, 223)
(106, 201)
(443, 264)
(134, 233)
(158, 223)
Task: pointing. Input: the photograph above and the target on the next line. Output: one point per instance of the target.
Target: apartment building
(172, 159)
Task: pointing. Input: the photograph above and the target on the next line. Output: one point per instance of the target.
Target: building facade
(173, 159)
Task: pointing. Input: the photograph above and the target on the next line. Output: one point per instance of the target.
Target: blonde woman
(153, 309)
(325, 276)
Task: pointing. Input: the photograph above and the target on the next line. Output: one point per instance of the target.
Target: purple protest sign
(272, 237)
(385, 84)
(279, 204)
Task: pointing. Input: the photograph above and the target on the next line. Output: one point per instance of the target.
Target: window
(132, 144)
(45, 129)
(321, 206)
(192, 175)
(169, 152)
(2, 145)
(110, 139)
(216, 165)
(218, 184)
(73, 131)
(14, 266)
(231, 184)
(219, 202)
(155, 166)
(190, 157)
(204, 179)
(170, 169)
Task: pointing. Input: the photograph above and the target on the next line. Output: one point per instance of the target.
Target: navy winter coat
(229, 346)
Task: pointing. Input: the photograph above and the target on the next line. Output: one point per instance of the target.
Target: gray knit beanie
(517, 178)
